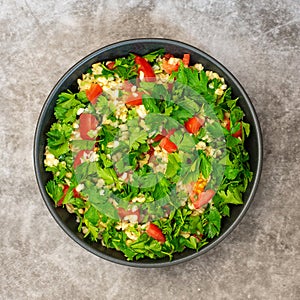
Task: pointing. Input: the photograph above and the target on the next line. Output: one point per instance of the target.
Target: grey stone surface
(257, 40)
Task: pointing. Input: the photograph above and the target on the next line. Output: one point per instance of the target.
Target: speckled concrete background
(257, 40)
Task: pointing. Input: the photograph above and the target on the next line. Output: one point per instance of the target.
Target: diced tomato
(93, 92)
(158, 138)
(135, 99)
(165, 142)
(164, 133)
(156, 233)
(203, 198)
(87, 122)
(171, 132)
(151, 151)
(76, 194)
(198, 237)
(169, 146)
(145, 67)
(186, 59)
(169, 68)
(194, 124)
(124, 213)
(167, 56)
(239, 133)
(77, 160)
(111, 65)
(227, 122)
(65, 190)
(127, 85)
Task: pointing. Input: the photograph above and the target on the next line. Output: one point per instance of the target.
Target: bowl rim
(155, 263)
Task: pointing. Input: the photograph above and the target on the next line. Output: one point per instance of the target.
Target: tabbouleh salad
(148, 154)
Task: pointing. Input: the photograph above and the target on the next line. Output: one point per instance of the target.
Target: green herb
(151, 57)
(58, 138)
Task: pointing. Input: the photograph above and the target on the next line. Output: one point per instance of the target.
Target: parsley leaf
(67, 107)
(151, 57)
(54, 190)
(58, 138)
(213, 225)
(173, 166)
(232, 197)
(150, 104)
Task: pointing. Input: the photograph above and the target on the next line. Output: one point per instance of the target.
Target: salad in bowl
(148, 154)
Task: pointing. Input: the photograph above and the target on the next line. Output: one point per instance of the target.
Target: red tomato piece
(77, 160)
(164, 133)
(158, 138)
(76, 194)
(203, 198)
(227, 122)
(194, 124)
(127, 85)
(186, 59)
(151, 151)
(198, 237)
(135, 99)
(156, 233)
(65, 190)
(111, 65)
(145, 67)
(169, 146)
(93, 92)
(87, 122)
(239, 133)
(169, 68)
(171, 132)
(167, 56)
(124, 213)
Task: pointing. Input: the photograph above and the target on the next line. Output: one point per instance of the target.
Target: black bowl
(141, 47)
